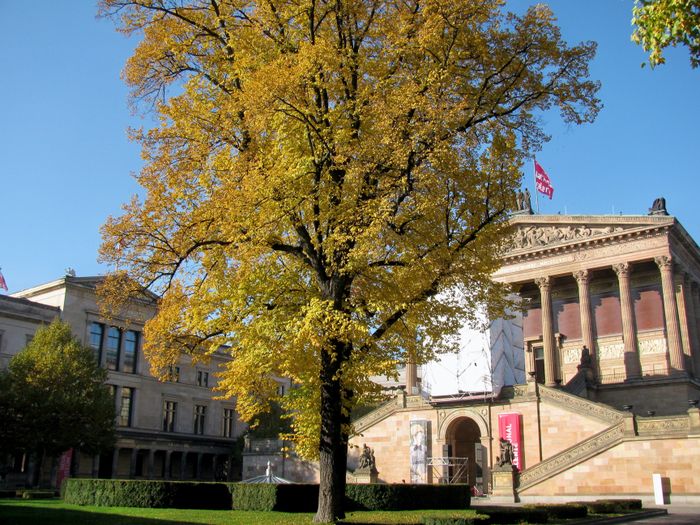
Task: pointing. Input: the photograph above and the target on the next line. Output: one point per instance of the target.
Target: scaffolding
(450, 469)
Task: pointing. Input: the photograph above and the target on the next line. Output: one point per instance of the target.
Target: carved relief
(663, 262)
(571, 355)
(544, 283)
(536, 236)
(678, 424)
(580, 405)
(582, 277)
(377, 415)
(611, 350)
(652, 346)
(622, 269)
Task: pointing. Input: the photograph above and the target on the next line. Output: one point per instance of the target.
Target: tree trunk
(333, 446)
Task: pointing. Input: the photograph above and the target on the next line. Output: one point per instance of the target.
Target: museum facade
(609, 336)
(176, 429)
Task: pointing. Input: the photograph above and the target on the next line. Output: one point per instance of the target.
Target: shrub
(564, 511)
(406, 496)
(147, 494)
(293, 497)
(623, 505)
(508, 515)
(8, 493)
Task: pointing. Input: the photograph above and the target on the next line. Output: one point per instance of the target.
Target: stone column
(183, 465)
(166, 467)
(695, 301)
(95, 466)
(550, 363)
(411, 377)
(673, 336)
(200, 459)
(684, 302)
(132, 463)
(151, 463)
(633, 368)
(115, 462)
(584, 305)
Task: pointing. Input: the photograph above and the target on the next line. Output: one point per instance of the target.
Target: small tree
(55, 398)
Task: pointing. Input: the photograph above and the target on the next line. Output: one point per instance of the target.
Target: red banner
(542, 182)
(510, 429)
(64, 467)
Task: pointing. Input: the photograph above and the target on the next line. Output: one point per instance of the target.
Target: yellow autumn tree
(327, 186)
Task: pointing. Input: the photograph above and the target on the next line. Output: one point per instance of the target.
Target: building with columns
(175, 429)
(611, 351)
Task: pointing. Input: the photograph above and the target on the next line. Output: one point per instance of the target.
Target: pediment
(535, 233)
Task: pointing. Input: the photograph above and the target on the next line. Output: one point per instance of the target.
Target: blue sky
(67, 164)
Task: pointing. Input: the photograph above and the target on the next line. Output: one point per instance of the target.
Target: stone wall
(627, 469)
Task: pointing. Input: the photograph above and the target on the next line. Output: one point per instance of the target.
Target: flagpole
(534, 176)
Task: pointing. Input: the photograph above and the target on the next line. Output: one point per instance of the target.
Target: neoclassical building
(175, 429)
(609, 336)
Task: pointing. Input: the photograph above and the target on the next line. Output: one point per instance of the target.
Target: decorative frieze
(580, 405)
(536, 236)
(652, 346)
(663, 426)
(571, 355)
(374, 417)
(611, 350)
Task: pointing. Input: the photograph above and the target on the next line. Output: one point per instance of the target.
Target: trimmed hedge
(611, 506)
(9, 493)
(564, 511)
(508, 515)
(292, 497)
(147, 494)
(304, 497)
(378, 496)
(623, 504)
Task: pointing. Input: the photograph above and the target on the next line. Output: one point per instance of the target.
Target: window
(174, 374)
(125, 408)
(200, 412)
(169, 413)
(96, 332)
(229, 422)
(114, 338)
(202, 378)
(131, 344)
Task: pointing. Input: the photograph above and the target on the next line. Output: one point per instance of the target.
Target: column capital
(582, 276)
(544, 283)
(664, 262)
(622, 269)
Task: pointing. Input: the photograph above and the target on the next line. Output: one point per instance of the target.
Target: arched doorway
(463, 446)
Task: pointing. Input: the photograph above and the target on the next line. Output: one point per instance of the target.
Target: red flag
(542, 182)
(3, 284)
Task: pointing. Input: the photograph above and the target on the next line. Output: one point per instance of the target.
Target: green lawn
(55, 512)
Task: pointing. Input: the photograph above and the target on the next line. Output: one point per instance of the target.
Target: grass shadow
(38, 515)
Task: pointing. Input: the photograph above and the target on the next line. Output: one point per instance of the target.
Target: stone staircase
(596, 444)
